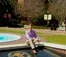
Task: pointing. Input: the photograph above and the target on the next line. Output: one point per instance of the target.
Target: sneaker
(34, 51)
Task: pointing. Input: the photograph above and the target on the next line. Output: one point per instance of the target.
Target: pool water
(8, 37)
(1, 38)
(26, 52)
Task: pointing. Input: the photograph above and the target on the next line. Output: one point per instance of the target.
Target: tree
(58, 9)
(33, 8)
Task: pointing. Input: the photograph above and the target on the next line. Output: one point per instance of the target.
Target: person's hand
(33, 39)
(38, 40)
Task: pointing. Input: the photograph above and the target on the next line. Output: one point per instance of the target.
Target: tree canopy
(56, 7)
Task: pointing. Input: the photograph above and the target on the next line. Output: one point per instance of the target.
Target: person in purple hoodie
(32, 38)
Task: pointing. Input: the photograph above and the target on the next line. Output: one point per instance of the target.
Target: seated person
(32, 38)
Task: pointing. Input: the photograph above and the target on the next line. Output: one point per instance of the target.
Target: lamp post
(47, 17)
(46, 3)
(65, 24)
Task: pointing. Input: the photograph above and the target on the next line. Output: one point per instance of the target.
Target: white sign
(49, 17)
(45, 17)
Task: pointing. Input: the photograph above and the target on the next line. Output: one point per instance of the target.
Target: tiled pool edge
(25, 45)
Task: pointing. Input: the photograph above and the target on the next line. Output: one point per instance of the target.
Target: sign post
(47, 17)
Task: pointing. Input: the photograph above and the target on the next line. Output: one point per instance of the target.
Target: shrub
(39, 21)
(23, 23)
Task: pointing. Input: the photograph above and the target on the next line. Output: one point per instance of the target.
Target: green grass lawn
(12, 31)
(41, 27)
(60, 39)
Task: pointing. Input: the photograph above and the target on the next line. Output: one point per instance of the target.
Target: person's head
(30, 27)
